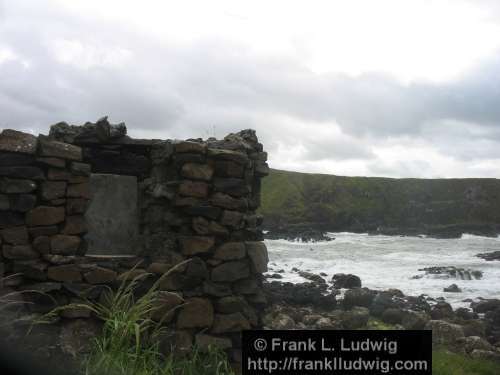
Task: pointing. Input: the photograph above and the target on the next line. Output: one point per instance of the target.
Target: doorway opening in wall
(112, 216)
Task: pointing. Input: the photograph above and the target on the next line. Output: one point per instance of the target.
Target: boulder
(226, 201)
(190, 147)
(487, 355)
(415, 320)
(393, 316)
(485, 305)
(233, 219)
(477, 343)
(80, 169)
(453, 288)
(355, 318)
(79, 191)
(216, 289)
(441, 310)
(16, 141)
(235, 187)
(358, 297)
(444, 333)
(166, 303)
(231, 304)
(196, 313)
(229, 169)
(279, 321)
(347, 281)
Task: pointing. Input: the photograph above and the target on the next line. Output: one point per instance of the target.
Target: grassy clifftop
(368, 203)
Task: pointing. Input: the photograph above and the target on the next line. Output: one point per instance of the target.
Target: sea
(384, 262)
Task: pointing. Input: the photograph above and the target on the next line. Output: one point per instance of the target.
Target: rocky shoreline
(342, 303)
(314, 232)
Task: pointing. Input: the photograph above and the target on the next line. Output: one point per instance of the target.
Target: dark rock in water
(312, 277)
(299, 294)
(485, 305)
(275, 276)
(347, 281)
(453, 288)
(358, 297)
(495, 255)
(452, 272)
(302, 233)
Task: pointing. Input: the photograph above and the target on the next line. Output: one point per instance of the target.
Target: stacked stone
(198, 202)
(43, 194)
(200, 205)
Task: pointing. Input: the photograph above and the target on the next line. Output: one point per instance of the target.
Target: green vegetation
(366, 203)
(130, 340)
(446, 363)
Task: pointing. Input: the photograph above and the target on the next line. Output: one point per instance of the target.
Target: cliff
(438, 207)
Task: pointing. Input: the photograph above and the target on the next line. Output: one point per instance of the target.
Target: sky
(360, 88)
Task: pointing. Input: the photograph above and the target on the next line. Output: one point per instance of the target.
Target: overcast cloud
(351, 90)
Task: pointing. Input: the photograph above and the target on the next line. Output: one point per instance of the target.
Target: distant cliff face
(371, 203)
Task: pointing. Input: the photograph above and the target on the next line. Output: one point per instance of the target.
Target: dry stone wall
(197, 202)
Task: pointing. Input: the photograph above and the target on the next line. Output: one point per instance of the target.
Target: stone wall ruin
(196, 200)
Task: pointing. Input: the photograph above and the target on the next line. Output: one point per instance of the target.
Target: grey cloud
(188, 90)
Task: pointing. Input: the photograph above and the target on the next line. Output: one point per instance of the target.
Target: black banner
(337, 352)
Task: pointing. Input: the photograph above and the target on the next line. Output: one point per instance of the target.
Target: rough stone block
(221, 154)
(16, 186)
(231, 304)
(4, 202)
(235, 187)
(225, 323)
(19, 252)
(75, 224)
(9, 219)
(80, 169)
(190, 147)
(229, 169)
(232, 219)
(64, 245)
(52, 162)
(246, 286)
(196, 245)
(204, 210)
(194, 189)
(16, 141)
(257, 252)
(194, 171)
(24, 172)
(196, 313)
(22, 202)
(45, 215)
(261, 169)
(78, 191)
(42, 244)
(230, 251)
(216, 289)
(76, 206)
(60, 150)
(35, 269)
(50, 190)
(43, 231)
(56, 174)
(65, 273)
(231, 271)
(100, 275)
(13, 158)
(15, 235)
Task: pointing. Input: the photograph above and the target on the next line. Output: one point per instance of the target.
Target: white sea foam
(384, 262)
